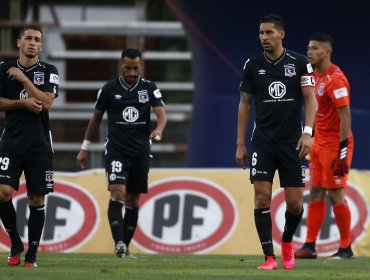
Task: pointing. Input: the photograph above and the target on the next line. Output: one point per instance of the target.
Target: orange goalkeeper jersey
(332, 92)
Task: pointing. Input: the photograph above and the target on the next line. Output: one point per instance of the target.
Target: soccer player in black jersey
(128, 100)
(28, 88)
(278, 80)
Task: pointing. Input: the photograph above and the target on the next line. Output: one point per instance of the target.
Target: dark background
(223, 34)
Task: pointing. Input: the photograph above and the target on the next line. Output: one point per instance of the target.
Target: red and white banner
(197, 211)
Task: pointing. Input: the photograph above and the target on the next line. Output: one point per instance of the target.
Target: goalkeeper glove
(340, 165)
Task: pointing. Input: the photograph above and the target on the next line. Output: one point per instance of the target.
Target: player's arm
(7, 104)
(43, 98)
(340, 164)
(160, 113)
(244, 112)
(308, 92)
(90, 131)
(345, 122)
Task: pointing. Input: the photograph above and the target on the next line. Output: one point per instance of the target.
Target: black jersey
(276, 87)
(25, 130)
(128, 111)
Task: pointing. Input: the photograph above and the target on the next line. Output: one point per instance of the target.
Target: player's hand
(33, 105)
(18, 74)
(81, 158)
(340, 165)
(241, 156)
(304, 145)
(156, 135)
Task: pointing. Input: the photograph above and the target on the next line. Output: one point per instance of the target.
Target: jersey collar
(276, 61)
(27, 68)
(131, 88)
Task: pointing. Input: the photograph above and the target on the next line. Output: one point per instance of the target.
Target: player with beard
(28, 88)
(278, 80)
(128, 100)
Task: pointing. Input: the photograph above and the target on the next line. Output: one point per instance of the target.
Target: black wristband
(343, 149)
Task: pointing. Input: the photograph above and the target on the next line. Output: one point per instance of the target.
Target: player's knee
(5, 194)
(294, 207)
(36, 200)
(132, 200)
(317, 193)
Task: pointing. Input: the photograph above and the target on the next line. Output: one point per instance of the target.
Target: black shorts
(37, 168)
(266, 158)
(132, 172)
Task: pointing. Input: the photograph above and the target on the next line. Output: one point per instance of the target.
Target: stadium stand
(85, 42)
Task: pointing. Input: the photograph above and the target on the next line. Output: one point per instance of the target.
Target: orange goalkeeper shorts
(321, 172)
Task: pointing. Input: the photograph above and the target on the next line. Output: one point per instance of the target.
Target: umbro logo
(262, 72)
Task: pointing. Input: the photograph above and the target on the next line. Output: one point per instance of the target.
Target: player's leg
(9, 218)
(130, 219)
(262, 171)
(39, 177)
(137, 184)
(10, 171)
(342, 213)
(116, 169)
(316, 207)
(262, 219)
(36, 223)
(292, 177)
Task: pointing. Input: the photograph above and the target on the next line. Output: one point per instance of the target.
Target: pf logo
(71, 218)
(327, 241)
(185, 215)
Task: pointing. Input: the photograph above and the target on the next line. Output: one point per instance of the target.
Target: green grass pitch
(74, 266)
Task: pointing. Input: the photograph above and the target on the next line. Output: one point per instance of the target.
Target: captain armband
(307, 81)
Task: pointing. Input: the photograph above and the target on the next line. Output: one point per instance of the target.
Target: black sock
(9, 219)
(129, 224)
(115, 219)
(35, 226)
(291, 223)
(262, 218)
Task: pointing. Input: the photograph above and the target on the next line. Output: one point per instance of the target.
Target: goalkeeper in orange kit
(332, 149)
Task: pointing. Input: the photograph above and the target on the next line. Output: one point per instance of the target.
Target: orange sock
(315, 217)
(342, 215)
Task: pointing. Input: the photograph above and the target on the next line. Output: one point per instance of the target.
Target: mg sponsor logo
(130, 114)
(23, 94)
(277, 90)
(185, 215)
(328, 238)
(71, 218)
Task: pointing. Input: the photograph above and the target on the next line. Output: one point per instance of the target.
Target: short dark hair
(275, 19)
(32, 27)
(322, 37)
(131, 53)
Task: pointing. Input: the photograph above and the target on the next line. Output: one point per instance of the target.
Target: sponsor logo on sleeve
(309, 68)
(341, 92)
(157, 93)
(54, 79)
